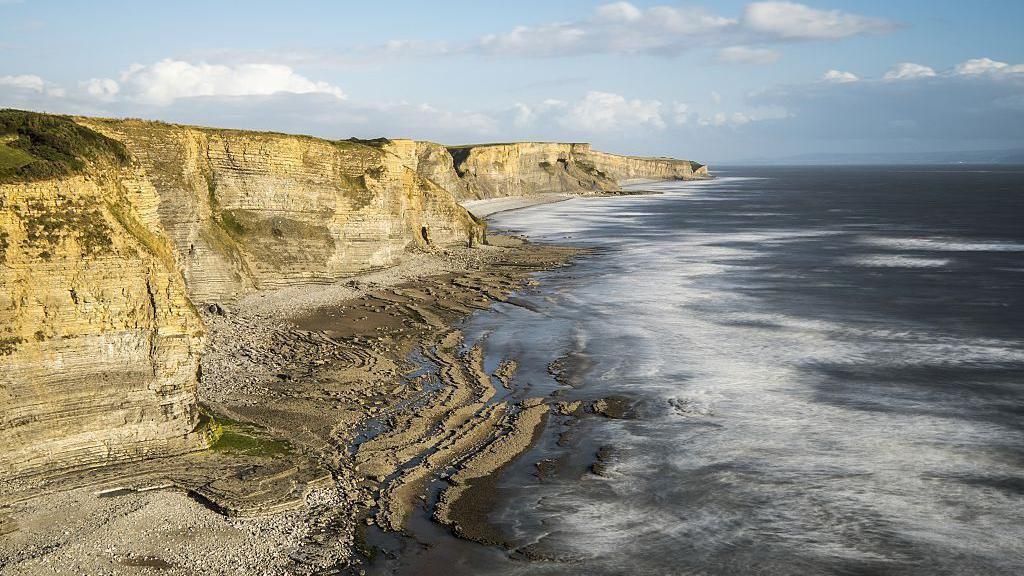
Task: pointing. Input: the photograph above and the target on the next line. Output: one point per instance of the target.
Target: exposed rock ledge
(101, 268)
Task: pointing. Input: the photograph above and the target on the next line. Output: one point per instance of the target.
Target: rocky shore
(335, 405)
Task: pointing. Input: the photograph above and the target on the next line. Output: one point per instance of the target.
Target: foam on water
(940, 244)
(812, 399)
(899, 261)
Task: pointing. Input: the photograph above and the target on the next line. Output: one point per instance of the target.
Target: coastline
(327, 426)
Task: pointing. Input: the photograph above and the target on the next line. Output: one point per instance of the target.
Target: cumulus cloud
(624, 28)
(605, 111)
(909, 71)
(839, 76)
(977, 102)
(747, 55)
(23, 82)
(800, 22)
(30, 83)
(977, 66)
(165, 81)
(101, 88)
(617, 28)
(619, 12)
(598, 115)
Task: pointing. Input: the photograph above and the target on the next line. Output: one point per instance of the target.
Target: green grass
(36, 146)
(231, 224)
(244, 438)
(11, 159)
(372, 142)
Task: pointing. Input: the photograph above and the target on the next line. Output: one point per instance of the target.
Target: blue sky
(716, 81)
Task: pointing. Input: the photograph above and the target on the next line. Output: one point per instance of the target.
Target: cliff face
(99, 345)
(625, 168)
(431, 161)
(524, 168)
(99, 339)
(249, 210)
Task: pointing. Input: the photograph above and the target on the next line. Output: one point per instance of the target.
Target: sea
(826, 373)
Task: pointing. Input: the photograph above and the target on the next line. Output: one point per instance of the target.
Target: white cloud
(550, 39)
(524, 114)
(739, 119)
(716, 97)
(32, 83)
(100, 88)
(909, 71)
(797, 21)
(624, 28)
(619, 12)
(977, 66)
(718, 119)
(912, 104)
(721, 119)
(680, 113)
(747, 55)
(24, 82)
(604, 111)
(839, 77)
(612, 28)
(168, 80)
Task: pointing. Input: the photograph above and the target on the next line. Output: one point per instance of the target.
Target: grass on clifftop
(36, 146)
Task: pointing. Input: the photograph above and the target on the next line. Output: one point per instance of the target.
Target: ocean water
(827, 366)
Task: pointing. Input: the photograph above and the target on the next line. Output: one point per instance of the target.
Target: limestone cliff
(524, 168)
(250, 210)
(99, 345)
(101, 258)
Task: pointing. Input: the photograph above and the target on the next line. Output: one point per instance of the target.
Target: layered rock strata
(99, 344)
(99, 338)
(526, 168)
(249, 210)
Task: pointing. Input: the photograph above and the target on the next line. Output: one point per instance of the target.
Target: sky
(716, 81)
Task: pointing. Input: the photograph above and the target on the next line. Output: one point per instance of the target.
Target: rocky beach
(328, 426)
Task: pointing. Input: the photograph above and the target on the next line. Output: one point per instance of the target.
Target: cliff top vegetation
(36, 146)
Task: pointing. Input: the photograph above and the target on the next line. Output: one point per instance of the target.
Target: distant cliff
(112, 231)
(517, 169)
